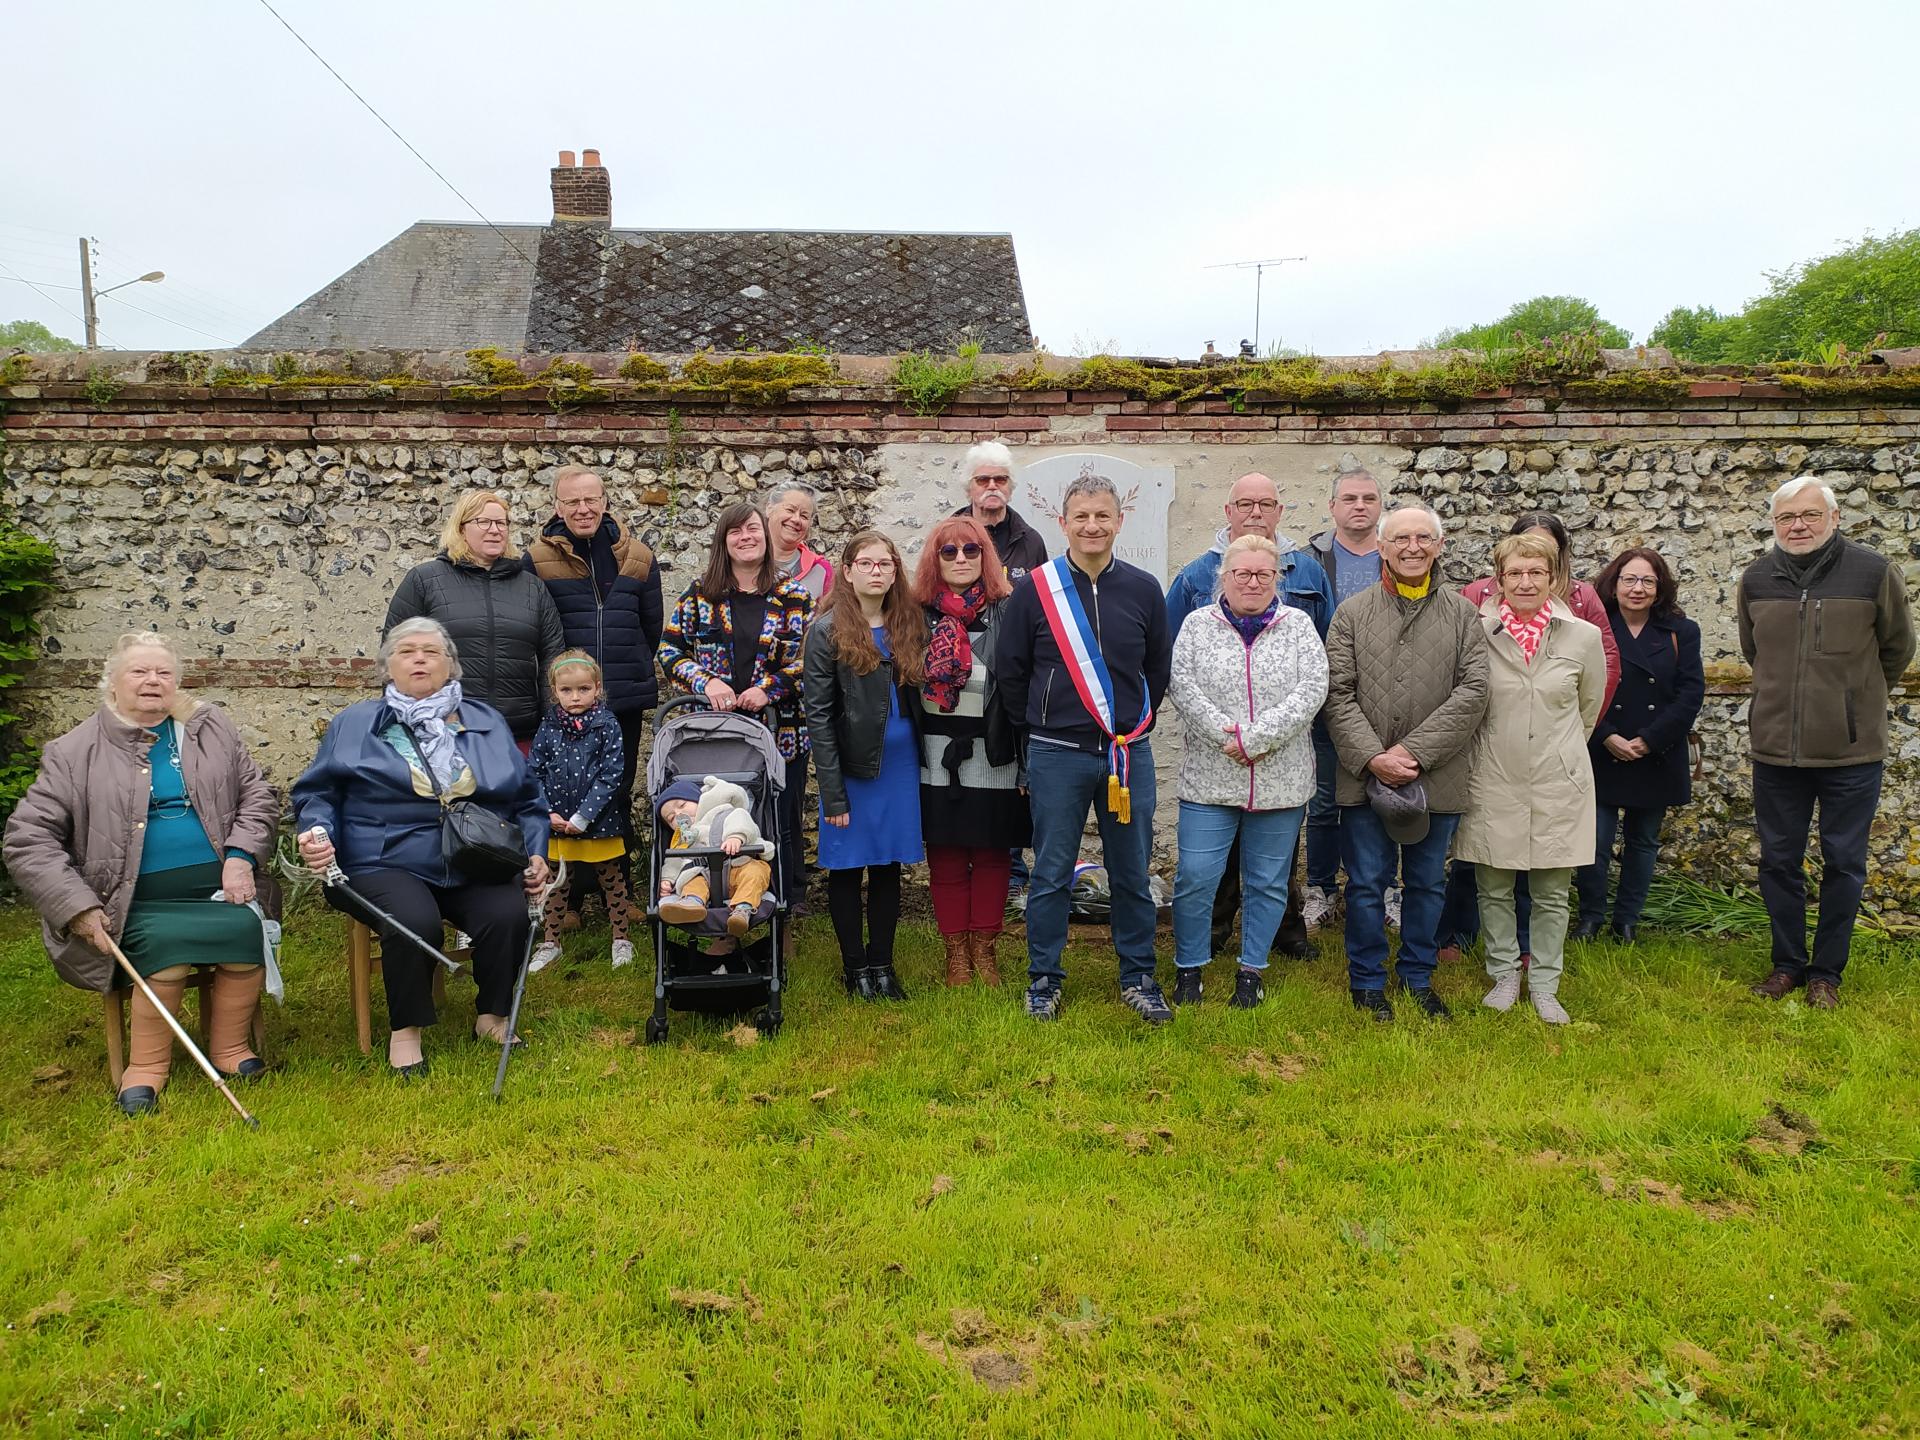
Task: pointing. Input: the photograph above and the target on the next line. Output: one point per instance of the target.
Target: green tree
(1853, 298)
(1700, 334)
(32, 335)
(1542, 318)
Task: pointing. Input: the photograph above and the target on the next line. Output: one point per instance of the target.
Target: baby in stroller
(711, 812)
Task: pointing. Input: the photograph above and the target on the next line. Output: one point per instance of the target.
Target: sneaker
(461, 941)
(739, 920)
(1249, 989)
(1374, 1002)
(622, 953)
(682, 910)
(544, 954)
(1316, 907)
(1391, 900)
(1147, 1001)
(1549, 1008)
(1505, 991)
(1431, 1005)
(1043, 1000)
(1188, 985)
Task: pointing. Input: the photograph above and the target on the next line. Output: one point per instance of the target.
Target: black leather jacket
(847, 716)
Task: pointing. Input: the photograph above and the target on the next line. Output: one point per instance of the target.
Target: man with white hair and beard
(1253, 508)
(1825, 624)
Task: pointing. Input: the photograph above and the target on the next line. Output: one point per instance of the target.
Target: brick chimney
(583, 191)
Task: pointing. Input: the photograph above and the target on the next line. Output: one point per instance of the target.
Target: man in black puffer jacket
(500, 616)
(606, 586)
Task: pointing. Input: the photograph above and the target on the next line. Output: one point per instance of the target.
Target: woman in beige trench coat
(1531, 804)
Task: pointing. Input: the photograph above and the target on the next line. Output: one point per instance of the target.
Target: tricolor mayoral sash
(1067, 618)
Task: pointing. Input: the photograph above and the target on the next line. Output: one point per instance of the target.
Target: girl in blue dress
(867, 646)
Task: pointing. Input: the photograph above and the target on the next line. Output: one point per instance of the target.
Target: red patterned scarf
(949, 651)
(1527, 634)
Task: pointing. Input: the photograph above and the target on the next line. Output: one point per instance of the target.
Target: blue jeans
(1641, 849)
(1323, 818)
(1460, 920)
(1062, 785)
(1372, 862)
(1207, 832)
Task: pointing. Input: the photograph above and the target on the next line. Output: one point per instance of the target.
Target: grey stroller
(692, 739)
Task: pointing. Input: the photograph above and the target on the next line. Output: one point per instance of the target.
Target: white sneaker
(1505, 991)
(461, 941)
(1549, 1008)
(1315, 906)
(1392, 902)
(544, 954)
(622, 953)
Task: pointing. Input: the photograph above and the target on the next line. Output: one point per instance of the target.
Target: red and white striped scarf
(1527, 634)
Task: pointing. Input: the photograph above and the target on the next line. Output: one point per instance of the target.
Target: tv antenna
(1259, 268)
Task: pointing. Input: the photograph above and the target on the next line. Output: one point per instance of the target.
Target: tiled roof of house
(581, 286)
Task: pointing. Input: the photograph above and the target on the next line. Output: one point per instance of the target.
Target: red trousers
(969, 887)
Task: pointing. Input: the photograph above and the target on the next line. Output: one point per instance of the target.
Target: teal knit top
(176, 838)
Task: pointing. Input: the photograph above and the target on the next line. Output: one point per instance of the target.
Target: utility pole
(1259, 268)
(86, 294)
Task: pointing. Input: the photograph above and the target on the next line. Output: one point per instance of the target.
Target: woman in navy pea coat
(1641, 764)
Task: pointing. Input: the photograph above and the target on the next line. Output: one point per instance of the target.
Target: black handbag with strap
(475, 842)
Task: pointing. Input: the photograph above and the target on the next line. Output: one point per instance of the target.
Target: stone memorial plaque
(1146, 492)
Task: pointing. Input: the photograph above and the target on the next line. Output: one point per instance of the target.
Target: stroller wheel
(766, 1022)
(656, 1030)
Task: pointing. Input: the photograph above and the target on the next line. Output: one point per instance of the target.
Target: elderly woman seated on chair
(372, 801)
(141, 816)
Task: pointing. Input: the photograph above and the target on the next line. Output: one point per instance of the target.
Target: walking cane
(179, 1032)
(536, 915)
(335, 878)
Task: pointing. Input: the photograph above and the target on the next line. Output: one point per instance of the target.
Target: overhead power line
(44, 295)
(395, 133)
(169, 319)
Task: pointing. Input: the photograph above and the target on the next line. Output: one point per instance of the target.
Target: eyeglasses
(874, 567)
(1253, 577)
(1000, 480)
(1254, 507)
(968, 548)
(1809, 518)
(1637, 582)
(1412, 542)
(488, 524)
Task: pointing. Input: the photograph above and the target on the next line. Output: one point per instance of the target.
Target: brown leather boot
(959, 961)
(1823, 995)
(985, 964)
(1777, 986)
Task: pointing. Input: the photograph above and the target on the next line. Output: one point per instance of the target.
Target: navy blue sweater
(577, 760)
(1129, 618)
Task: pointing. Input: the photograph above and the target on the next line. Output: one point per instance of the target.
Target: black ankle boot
(859, 983)
(1587, 928)
(886, 984)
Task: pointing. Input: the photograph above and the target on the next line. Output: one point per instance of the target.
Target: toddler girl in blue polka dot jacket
(577, 759)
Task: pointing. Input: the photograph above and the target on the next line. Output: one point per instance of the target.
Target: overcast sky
(1434, 163)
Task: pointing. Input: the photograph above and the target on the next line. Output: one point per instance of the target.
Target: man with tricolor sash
(1082, 663)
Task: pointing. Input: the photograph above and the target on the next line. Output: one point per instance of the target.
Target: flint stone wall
(266, 532)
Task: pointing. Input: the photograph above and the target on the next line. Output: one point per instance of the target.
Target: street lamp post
(88, 294)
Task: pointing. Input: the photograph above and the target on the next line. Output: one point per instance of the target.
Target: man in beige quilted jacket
(1406, 690)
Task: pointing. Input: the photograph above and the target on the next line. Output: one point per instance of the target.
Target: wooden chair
(113, 1010)
(363, 958)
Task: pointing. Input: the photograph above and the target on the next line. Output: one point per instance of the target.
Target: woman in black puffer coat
(500, 616)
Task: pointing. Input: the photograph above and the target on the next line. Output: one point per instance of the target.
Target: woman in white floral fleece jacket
(1249, 675)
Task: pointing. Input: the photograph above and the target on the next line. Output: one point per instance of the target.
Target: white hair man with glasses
(988, 470)
(1825, 624)
(1406, 691)
(1253, 508)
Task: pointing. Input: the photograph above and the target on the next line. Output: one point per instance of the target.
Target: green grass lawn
(941, 1218)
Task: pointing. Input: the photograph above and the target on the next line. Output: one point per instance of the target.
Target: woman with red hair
(972, 809)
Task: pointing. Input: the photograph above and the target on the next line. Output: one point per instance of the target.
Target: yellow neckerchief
(1412, 592)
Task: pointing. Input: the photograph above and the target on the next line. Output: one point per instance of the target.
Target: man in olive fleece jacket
(1826, 625)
